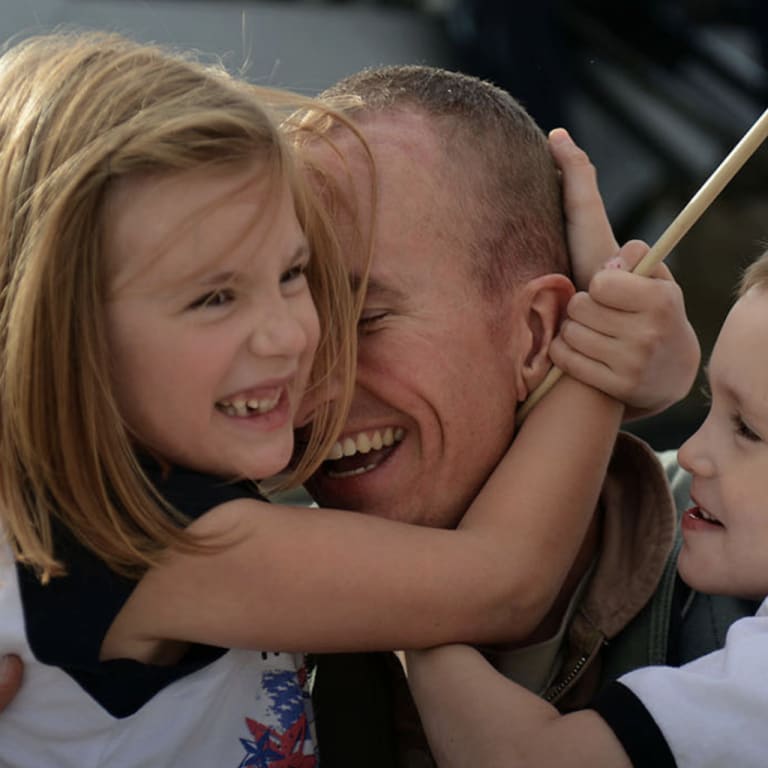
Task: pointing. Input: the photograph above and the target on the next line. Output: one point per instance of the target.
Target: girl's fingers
(590, 238)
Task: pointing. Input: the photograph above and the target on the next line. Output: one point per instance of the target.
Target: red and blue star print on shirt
(281, 747)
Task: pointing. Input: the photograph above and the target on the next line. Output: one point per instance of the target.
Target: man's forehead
(405, 133)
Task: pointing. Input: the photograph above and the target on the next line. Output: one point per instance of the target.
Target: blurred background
(657, 91)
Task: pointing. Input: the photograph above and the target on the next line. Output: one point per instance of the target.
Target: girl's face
(211, 325)
(725, 535)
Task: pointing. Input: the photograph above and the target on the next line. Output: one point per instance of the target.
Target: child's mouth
(697, 513)
(243, 408)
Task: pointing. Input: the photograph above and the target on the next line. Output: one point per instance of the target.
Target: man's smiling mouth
(360, 453)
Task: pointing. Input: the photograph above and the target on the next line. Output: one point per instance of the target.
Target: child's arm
(476, 718)
(324, 580)
(654, 353)
(298, 579)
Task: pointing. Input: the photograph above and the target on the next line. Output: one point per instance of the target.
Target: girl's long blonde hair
(77, 112)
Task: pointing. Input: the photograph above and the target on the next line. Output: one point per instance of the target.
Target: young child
(169, 289)
(706, 714)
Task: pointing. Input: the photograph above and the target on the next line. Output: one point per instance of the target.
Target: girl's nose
(278, 331)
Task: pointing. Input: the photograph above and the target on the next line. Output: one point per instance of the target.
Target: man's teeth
(242, 407)
(365, 442)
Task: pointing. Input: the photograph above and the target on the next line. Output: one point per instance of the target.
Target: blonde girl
(168, 291)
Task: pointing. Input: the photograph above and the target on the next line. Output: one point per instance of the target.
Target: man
(468, 263)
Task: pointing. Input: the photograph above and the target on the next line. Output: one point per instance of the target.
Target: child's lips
(698, 513)
(255, 401)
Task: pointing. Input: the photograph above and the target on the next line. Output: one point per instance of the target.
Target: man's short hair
(500, 156)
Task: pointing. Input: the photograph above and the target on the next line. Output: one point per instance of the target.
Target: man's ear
(543, 303)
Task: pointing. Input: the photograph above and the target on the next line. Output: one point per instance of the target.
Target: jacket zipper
(553, 693)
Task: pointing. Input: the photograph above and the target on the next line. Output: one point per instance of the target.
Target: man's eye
(370, 318)
(216, 298)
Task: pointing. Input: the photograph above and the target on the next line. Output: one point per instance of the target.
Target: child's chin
(698, 578)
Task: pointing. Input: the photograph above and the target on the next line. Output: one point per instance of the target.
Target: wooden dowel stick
(672, 235)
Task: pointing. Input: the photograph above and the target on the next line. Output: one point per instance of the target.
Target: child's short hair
(755, 274)
(77, 112)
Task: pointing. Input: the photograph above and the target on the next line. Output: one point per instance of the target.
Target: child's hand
(10, 679)
(629, 336)
(590, 238)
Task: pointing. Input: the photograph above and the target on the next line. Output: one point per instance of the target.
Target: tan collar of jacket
(637, 535)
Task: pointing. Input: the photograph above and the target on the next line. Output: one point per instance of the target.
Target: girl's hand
(628, 335)
(10, 679)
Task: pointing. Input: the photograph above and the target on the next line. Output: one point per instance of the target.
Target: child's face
(725, 535)
(211, 324)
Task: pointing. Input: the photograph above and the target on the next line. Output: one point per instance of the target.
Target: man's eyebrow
(376, 289)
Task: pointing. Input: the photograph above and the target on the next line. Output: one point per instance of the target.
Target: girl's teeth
(248, 407)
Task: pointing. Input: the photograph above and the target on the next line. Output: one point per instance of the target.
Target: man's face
(435, 400)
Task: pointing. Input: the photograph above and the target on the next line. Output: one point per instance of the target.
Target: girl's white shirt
(246, 708)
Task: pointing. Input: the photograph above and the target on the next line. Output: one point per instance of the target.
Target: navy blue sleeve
(67, 619)
(634, 727)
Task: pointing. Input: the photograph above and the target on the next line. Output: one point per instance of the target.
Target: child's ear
(544, 301)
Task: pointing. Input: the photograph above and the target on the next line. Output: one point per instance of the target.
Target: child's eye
(742, 430)
(294, 273)
(217, 298)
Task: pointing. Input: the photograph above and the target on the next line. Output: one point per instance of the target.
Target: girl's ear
(543, 305)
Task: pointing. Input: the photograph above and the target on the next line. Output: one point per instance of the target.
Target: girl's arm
(476, 718)
(323, 580)
(656, 353)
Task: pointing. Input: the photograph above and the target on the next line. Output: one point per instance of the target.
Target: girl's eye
(217, 298)
(294, 273)
(742, 430)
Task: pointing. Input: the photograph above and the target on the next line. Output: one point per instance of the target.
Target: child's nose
(693, 456)
(278, 331)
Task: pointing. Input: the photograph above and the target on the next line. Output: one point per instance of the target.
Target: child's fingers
(590, 237)
(608, 315)
(582, 367)
(628, 292)
(10, 679)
